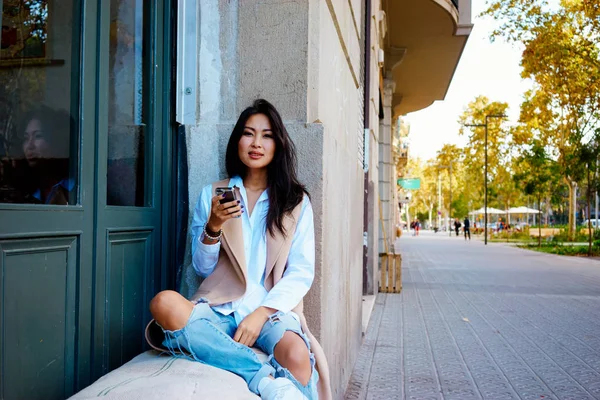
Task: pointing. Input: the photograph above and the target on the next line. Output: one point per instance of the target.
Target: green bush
(582, 234)
(513, 235)
(560, 226)
(595, 233)
(555, 226)
(559, 249)
(520, 235)
(561, 237)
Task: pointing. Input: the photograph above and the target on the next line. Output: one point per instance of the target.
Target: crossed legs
(291, 353)
(173, 311)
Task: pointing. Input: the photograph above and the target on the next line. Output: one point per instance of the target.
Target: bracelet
(215, 236)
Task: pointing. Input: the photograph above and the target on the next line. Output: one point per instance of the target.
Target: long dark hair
(285, 191)
(56, 125)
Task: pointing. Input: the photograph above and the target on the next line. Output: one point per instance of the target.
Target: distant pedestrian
(467, 228)
(417, 227)
(457, 226)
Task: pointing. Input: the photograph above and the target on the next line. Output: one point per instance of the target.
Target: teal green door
(128, 234)
(83, 182)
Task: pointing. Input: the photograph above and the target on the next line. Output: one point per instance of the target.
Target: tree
(460, 206)
(448, 163)
(437, 171)
(498, 145)
(537, 175)
(562, 57)
(413, 169)
(424, 199)
(588, 155)
(428, 191)
(506, 193)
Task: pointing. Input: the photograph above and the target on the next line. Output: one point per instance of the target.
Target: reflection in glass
(45, 144)
(38, 137)
(126, 177)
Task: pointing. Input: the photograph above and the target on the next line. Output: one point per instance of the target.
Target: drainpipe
(367, 136)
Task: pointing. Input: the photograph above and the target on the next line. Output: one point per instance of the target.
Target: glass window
(38, 98)
(128, 96)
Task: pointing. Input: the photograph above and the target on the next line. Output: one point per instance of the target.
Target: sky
(485, 68)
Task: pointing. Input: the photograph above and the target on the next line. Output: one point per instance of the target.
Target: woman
(256, 254)
(46, 138)
(457, 226)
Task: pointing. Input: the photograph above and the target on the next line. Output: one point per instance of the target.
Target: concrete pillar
(272, 50)
(273, 64)
(374, 224)
(395, 215)
(387, 181)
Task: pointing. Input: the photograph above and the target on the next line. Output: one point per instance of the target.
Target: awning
(490, 210)
(523, 210)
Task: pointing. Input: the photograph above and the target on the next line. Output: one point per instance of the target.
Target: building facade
(149, 92)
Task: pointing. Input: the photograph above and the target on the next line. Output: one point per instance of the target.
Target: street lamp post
(485, 179)
(439, 210)
(450, 205)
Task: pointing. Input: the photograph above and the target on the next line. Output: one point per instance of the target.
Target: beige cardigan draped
(228, 281)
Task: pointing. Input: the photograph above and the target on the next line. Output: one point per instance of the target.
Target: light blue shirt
(68, 184)
(300, 270)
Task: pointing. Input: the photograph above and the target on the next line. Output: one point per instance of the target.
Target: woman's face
(35, 145)
(256, 147)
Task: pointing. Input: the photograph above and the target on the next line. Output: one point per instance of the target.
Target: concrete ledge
(367, 308)
(152, 376)
(544, 231)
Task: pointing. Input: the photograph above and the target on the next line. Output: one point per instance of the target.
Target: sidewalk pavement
(483, 322)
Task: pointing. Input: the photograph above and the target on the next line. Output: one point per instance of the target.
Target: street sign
(409, 183)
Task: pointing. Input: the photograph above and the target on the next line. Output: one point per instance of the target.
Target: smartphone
(229, 193)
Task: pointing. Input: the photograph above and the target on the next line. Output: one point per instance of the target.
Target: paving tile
(483, 322)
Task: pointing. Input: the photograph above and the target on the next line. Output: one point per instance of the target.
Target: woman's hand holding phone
(221, 212)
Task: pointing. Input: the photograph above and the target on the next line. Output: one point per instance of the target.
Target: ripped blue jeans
(207, 338)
